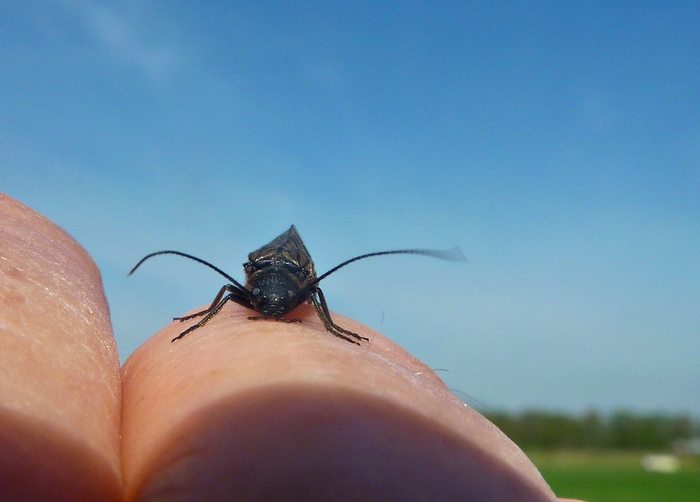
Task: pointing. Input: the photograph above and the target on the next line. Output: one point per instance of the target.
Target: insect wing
(287, 251)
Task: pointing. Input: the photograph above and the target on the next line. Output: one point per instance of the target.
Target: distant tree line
(619, 430)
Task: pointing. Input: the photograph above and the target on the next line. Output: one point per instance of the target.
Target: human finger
(59, 371)
(266, 410)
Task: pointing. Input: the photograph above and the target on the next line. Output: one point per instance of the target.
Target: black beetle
(281, 275)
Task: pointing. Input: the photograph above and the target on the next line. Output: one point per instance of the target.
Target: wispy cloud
(133, 37)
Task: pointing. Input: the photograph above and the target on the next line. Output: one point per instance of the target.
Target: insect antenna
(203, 262)
(454, 254)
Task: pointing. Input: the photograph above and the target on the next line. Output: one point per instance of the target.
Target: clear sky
(558, 143)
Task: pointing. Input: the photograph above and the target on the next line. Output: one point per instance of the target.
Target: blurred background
(558, 143)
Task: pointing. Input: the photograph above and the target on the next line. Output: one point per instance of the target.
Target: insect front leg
(217, 299)
(234, 294)
(319, 302)
(283, 319)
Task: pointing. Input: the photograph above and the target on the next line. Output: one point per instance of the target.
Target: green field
(616, 477)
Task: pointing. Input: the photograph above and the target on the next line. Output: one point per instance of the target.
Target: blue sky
(557, 143)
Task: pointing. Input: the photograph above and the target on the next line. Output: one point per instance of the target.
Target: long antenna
(454, 254)
(203, 262)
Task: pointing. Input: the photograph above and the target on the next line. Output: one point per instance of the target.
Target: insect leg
(234, 295)
(217, 299)
(283, 319)
(319, 302)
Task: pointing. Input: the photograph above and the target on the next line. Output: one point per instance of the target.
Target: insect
(280, 276)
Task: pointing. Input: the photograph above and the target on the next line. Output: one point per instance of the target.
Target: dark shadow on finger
(313, 442)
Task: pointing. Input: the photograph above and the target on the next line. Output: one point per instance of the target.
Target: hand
(250, 410)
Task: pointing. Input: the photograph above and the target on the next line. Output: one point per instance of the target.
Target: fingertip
(61, 392)
(239, 403)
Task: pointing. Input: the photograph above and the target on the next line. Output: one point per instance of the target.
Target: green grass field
(616, 477)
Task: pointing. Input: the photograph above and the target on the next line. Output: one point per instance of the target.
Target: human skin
(236, 410)
(60, 397)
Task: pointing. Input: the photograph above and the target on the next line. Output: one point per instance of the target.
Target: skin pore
(236, 410)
